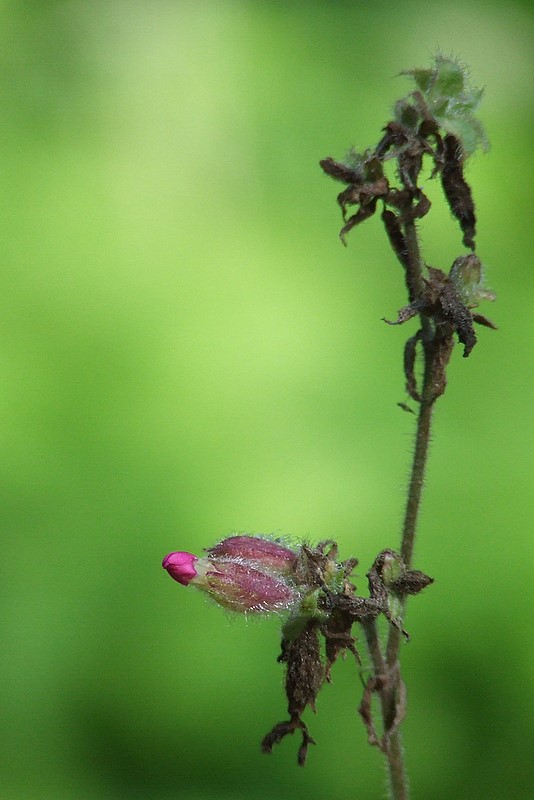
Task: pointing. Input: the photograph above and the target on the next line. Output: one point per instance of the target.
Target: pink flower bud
(263, 552)
(180, 566)
(246, 574)
(243, 588)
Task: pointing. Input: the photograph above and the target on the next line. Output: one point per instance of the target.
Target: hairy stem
(394, 754)
(397, 774)
(422, 437)
(422, 440)
(414, 270)
(392, 747)
(437, 347)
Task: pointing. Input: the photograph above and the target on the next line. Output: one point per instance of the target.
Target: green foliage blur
(187, 350)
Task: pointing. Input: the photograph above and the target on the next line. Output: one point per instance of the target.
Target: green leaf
(450, 78)
(446, 93)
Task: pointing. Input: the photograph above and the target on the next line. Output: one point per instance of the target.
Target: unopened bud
(242, 573)
(265, 552)
(244, 588)
(180, 566)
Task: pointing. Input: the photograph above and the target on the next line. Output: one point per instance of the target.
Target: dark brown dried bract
(396, 237)
(457, 190)
(338, 171)
(337, 612)
(304, 678)
(441, 302)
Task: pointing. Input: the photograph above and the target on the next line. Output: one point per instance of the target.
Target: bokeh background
(187, 350)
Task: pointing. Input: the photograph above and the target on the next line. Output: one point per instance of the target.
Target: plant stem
(422, 437)
(394, 755)
(397, 775)
(422, 441)
(389, 697)
(414, 273)
(392, 747)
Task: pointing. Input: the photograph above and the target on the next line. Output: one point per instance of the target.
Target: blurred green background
(187, 350)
